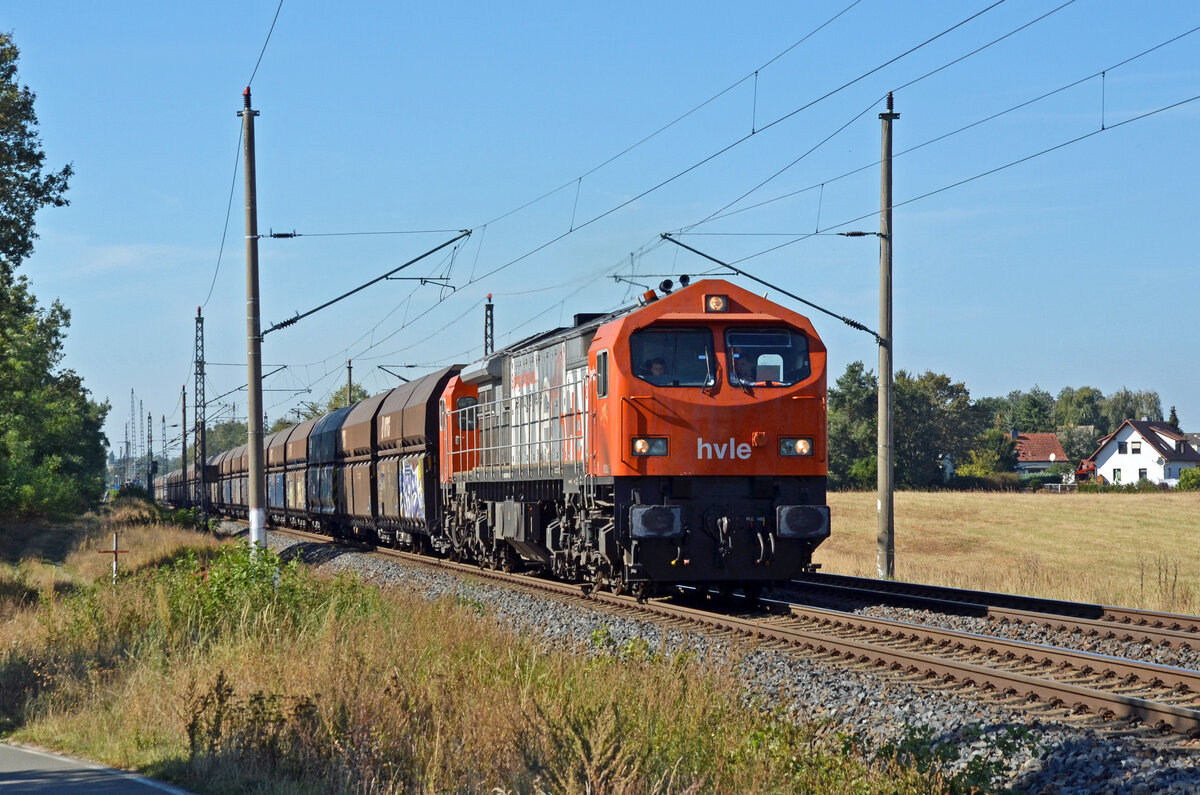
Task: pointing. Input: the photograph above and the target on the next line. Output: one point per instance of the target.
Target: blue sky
(1073, 268)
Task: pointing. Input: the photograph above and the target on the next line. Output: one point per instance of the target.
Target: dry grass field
(1139, 550)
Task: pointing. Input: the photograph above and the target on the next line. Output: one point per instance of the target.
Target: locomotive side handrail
(545, 434)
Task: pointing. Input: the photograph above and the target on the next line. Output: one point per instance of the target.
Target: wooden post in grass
(114, 552)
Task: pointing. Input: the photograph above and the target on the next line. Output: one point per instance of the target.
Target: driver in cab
(655, 371)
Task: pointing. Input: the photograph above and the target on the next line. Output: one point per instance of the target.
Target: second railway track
(1018, 675)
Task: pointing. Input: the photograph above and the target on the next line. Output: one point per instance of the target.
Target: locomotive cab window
(467, 413)
(673, 357)
(602, 374)
(767, 357)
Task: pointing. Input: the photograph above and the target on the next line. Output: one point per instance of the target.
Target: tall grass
(232, 671)
(1134, 550)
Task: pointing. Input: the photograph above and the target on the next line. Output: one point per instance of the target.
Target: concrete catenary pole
(886, 531)
(254, 413)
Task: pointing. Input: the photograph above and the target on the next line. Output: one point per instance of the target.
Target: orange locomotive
(679, 441)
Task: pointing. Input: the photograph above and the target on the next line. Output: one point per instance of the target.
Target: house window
(1135, 447)
(1122, 448)
(1116, 476)
(1142, 474)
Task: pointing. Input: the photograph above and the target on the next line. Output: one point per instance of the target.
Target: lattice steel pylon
(489, 338)
(141, 446)
(130, 441)
(199, 454)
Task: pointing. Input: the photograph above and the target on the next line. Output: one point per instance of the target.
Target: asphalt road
(26, 770)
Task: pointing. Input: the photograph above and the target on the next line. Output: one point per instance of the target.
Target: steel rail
(1103, 628)
(1086, 662)
(1076, 697)
(1124, 616)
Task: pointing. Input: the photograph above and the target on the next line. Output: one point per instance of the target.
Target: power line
(279, 235)
(228, 209)
(980, 175)
(264, 47)
(866, 110)
(678, 119)
(737, 142)
(720, 214)
(292, 320)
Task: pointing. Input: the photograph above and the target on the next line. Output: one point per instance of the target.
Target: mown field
(226, 672)
(1140, 550)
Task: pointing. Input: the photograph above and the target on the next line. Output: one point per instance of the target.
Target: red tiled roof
(1039, 447)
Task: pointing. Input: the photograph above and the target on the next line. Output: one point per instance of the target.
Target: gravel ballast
(1044, 754)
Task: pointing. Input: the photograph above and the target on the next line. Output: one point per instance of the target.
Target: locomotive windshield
(767, 357)
(673, 357)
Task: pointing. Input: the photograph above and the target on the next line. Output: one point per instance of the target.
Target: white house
(1142, 450)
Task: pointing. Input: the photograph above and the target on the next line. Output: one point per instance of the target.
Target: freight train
(682, 440)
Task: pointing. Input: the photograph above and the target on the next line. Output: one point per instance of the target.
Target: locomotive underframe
(718, 529)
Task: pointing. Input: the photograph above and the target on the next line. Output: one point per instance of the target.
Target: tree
(994, 451)
(1033, 411)
(309, 411)
(853, 404)
(25, 187)
(51, 439)
(1173, 420)
(934, 418)
(997, 411)
(281, 424)
(1126, 405)
(1082, 406)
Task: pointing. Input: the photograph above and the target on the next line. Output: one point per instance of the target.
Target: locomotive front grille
(807, 522)
(656, 521)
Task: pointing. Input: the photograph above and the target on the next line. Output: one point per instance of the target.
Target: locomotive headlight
(650, 445)
(791, 446)
(716, 303)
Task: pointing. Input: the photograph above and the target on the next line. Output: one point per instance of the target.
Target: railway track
(1059, 682)
(1092, 620)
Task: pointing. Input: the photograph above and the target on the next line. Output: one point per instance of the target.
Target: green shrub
(998, 481)
(1189, 479)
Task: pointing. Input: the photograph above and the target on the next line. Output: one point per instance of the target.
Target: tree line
(935, 419)
(51, 431)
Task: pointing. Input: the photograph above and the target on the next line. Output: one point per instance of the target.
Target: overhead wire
(678, 119)
(875, 102)
(738, 142)
(262, 52)
(978, 176)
